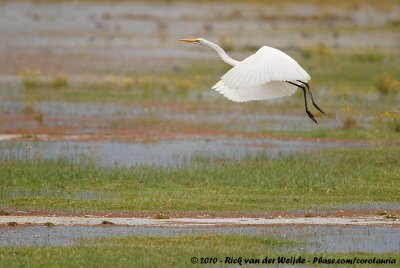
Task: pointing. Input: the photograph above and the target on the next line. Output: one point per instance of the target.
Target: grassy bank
(304, 181)
(167, 252)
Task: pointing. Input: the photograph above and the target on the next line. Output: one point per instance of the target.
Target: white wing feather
(262, 76)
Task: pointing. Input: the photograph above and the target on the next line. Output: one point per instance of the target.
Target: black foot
(319, 109)
(312, 117)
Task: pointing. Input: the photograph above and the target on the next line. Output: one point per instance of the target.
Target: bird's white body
(267, 74)
(261, 76)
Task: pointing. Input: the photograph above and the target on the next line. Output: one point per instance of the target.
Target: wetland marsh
(103, 111)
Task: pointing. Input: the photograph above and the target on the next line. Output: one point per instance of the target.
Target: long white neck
(220, 52)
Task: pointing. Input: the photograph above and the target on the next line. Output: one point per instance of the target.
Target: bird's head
(199, 41)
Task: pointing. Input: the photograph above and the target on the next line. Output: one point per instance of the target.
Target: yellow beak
(188, 40)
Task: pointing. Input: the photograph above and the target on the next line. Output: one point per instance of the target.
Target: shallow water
(100, 115)
(315, 238)
(165, 153)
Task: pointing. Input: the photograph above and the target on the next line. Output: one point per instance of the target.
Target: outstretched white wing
(262, 76)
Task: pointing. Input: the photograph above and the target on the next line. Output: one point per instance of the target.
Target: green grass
(349, 79)
(358, 69)
(164, 252)
(305, 181)
(181, 84)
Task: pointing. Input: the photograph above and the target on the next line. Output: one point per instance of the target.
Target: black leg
(311, 96)
(305, 101)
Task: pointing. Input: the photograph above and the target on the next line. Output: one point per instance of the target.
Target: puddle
(165, 153)
(315, 238)
(54, 109)
(99, 115)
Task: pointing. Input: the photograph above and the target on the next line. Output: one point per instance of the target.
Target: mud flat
(318, 234)
(187, 222)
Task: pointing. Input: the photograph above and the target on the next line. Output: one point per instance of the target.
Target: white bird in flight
(265, 75)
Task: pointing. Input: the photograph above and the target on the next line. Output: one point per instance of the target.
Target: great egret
(265, 75)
